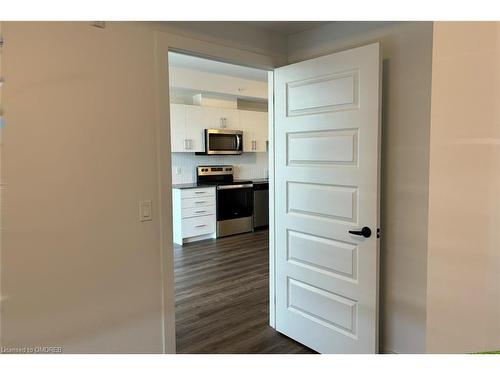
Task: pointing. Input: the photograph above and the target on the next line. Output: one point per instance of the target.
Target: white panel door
(327, 126)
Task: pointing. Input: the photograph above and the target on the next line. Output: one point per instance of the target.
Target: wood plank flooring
(221, 289)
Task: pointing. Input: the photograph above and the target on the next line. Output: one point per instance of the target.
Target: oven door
(234, 201)
(223, 142)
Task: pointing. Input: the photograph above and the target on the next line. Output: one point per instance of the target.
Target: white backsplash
(250, 165)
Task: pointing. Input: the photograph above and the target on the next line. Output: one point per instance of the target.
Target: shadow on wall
(383, 197)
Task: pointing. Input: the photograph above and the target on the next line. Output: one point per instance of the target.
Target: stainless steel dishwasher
(260, 204)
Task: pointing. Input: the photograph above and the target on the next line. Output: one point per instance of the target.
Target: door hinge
(379, 233)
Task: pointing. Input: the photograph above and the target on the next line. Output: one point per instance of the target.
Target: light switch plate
(145, 211)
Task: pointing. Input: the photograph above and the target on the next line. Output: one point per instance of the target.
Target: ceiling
(211, 66)
(287, 27)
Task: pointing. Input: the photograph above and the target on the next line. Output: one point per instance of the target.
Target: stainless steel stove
(234, 198)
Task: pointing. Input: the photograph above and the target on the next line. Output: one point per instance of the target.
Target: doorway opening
(219, 129)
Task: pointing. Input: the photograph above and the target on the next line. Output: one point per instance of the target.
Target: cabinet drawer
(201, 192)
(198, 202)
(198, 226)
(198, 211)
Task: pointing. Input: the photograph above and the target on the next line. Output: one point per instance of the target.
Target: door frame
(166, 42)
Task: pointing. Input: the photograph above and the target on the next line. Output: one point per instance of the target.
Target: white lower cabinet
(197, 226)
(194, 214)
(197, 211)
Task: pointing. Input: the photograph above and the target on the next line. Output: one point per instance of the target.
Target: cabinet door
(252, 123)
(212, 117)
(195, 127)
(177, 127)
(230, 118)
(246, 126)
(261, 134)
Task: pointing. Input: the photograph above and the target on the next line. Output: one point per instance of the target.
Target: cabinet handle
(186, 146)
(200, 192)
(201, 226)
(201, 202)
(199, 212)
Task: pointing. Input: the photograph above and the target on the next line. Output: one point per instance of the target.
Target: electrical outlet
(145, 211)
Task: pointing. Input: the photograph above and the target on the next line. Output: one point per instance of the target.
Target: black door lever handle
(365, 232)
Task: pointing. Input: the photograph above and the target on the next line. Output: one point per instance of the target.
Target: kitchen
(219, 148)
(220, 194)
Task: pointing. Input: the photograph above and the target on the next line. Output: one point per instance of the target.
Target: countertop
(194, 185)
(261, 181)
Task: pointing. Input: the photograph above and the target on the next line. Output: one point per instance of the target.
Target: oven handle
(226, 187)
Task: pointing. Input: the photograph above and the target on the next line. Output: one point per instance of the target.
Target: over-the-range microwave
(223, 142)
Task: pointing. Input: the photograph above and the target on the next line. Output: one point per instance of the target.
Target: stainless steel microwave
(223, 142)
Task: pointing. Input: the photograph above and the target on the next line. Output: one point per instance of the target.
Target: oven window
(222, 142)
(234, 203)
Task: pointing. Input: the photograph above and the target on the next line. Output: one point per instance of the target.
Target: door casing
(164, 43)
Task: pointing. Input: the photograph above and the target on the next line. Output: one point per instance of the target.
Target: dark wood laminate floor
(222, 297)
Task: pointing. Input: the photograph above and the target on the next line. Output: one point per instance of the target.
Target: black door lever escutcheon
(365, 232)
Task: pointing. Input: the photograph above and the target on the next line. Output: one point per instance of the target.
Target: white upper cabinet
(178, 127)
(230, 118)
(255, 131)
(195, 128)
(186, 128)
(212, 117)
(220, 118)
(188, 124)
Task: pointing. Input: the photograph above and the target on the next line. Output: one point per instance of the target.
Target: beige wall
(407, 52)
(78, 269)
(463, 293)
(236, 35)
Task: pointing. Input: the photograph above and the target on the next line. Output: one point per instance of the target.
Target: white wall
(463, 293)
(249, 165)
(206, 82)
(406, 51)
(80, 150)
